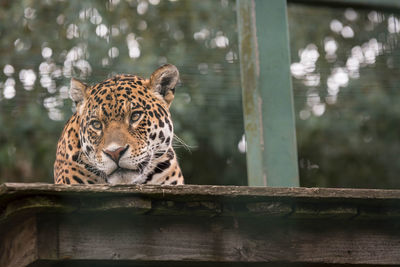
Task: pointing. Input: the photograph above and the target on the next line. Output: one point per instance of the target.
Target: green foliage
(93, 40)
(347, 112)
(347, 122)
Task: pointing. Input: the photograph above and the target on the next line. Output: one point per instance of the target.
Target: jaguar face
(125, 123)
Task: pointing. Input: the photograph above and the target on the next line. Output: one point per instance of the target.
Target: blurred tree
(346, 93)
(45, 43)
(345, 73)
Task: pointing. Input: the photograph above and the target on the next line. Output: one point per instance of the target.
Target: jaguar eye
(135, 116)
(96, 125)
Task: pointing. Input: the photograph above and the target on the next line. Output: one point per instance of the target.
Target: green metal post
(267, 93)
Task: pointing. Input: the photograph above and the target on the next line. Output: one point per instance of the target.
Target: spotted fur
(121, 132)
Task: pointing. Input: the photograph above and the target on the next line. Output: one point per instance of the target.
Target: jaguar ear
(163, 82)
(77, 91)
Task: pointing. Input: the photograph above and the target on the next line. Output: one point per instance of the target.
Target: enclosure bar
(267, 93)
(379, 4)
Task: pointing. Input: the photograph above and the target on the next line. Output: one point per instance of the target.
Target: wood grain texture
(53, 225)
(268, 109)
(223, 239)
(18, 243)
(197, 191)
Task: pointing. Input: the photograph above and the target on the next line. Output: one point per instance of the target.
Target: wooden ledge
(63, 225)
(201, 200)
(199, 190)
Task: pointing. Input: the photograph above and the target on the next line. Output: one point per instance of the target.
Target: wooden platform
(59, 225)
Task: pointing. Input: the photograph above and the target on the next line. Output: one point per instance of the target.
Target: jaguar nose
(116, 154)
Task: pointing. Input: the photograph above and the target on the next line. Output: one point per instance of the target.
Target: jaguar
(121, 132)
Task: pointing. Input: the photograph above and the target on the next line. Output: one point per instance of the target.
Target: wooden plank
(117, 238)
(176, 239)
(61, 225)
(190, 200)
(47, 237)
(18, 243)
(267, 93)
(9, 191)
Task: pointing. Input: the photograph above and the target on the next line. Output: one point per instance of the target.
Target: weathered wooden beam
(61, 225)
(204, 241)
(267, 93)
(189, 192)
(224, 239)
(18, 242)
